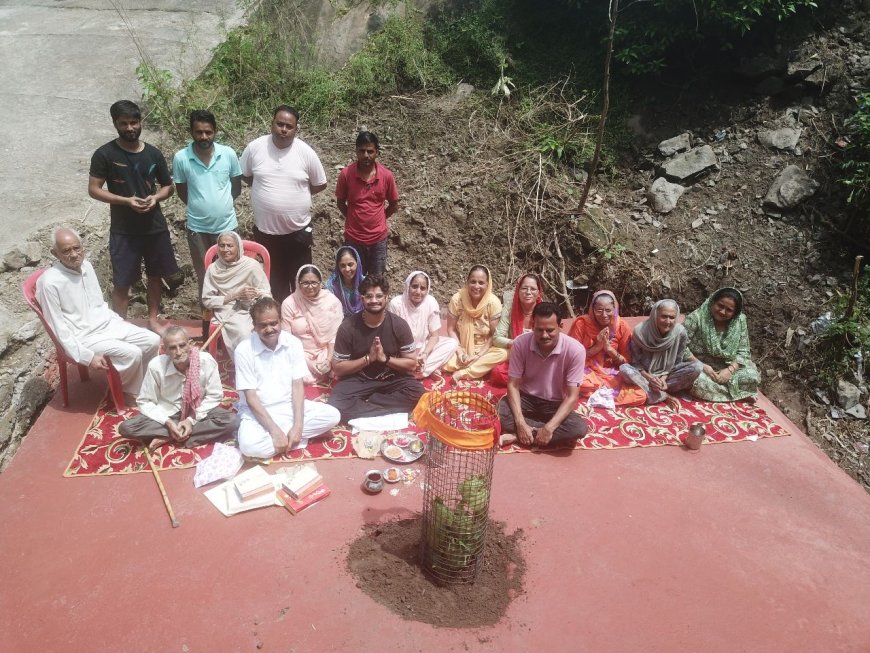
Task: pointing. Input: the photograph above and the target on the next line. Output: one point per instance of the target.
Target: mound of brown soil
(385, 562)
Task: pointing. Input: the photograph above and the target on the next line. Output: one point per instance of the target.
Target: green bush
(847, 335)
(255, 69)
(856, 161)
(472, 40)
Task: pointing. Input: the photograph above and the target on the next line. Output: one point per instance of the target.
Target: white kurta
(162, 387)
(271, 374)
(73, 305)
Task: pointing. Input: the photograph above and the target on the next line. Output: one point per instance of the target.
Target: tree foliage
(652, 31)
(856, 164)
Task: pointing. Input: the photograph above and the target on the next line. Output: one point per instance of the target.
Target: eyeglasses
(378, 296)
(309, 284)
(529, 291)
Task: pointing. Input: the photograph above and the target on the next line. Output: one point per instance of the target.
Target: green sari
(718, 350)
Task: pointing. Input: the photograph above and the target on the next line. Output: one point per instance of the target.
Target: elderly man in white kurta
(70, 296)
(180, 397)
(270, 367)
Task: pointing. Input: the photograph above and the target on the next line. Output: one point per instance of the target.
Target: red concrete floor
(746, 547)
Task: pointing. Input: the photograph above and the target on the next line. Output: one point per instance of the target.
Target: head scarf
(706, 340)
(663, 348)
(227, 275)
(517, 309)
(614, 322)
(417, 316)
(351, 302)
(472, 312)
(322, 313)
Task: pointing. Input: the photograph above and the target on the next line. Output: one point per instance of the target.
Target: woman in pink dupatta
(422, 313)
(313, 315)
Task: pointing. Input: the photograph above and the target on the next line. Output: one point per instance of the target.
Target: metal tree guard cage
(463, 428)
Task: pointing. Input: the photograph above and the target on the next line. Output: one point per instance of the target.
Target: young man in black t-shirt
(375, 357)
(133, 178)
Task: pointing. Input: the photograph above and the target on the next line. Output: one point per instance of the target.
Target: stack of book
(302, 488)
(253, 488)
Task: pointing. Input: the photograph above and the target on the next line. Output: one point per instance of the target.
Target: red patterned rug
(103, 451)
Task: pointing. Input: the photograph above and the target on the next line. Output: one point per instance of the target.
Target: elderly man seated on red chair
(180, 397)
(72, 302)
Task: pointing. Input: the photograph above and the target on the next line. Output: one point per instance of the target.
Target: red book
(296, 506)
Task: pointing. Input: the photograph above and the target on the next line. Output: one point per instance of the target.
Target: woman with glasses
(345, 278)
(313, 314)
(516, 319)
(232, 283)
(607, 339)
(421, 311)
(472, 317)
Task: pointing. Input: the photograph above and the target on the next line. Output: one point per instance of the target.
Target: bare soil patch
(385, 560)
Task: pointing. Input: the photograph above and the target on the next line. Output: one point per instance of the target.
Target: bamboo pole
(173, 519)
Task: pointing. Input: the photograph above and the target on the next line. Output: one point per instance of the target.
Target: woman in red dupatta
(606, 338)
(516, 319)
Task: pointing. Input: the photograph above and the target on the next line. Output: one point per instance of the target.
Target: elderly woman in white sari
(661, 363)
(422, 313)
(232, 283)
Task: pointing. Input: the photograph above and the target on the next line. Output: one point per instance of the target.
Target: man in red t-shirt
(366, 195)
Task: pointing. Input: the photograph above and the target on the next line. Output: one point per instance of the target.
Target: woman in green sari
(719, 338)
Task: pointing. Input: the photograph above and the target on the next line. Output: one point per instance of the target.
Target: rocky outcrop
(662, 196)
(672, 146)
(780, 139)
(791, 187)
(691, 165)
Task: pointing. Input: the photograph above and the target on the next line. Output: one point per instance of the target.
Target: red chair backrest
(28, 288)
(250, 249)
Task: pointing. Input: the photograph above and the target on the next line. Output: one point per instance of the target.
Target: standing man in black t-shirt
(375, 357)
(136, 180)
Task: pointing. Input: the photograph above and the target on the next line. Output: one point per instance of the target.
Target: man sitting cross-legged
(180, 397)
(375, 356)
(546, 369)
(270, 366)
(72, 302)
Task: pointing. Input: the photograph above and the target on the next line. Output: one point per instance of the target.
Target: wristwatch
(388, 357)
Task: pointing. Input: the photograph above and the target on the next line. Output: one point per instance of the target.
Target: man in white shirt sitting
(72, 302)
(270, 366)
(180, 397)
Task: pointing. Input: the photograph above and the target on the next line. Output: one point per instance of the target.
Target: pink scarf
(191, 395)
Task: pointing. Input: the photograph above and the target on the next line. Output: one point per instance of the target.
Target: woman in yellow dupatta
(472, 318)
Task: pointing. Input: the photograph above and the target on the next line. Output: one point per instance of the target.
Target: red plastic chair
(116, 390)
(250, 249)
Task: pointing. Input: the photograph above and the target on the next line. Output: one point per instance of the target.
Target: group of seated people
(377, 349)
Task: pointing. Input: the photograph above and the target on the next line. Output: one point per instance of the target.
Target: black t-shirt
(131, 174)
(354, 340)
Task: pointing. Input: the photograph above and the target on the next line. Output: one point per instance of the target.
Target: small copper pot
(695, 437)
(373, 482)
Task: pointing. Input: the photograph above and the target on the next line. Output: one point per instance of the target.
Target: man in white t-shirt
(283, 172)
(270, 366)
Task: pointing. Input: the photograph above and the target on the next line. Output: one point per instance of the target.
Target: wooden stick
(212, 336)
(853, 295)
(175, 522)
